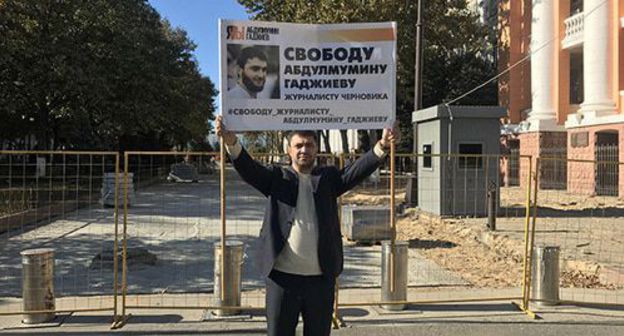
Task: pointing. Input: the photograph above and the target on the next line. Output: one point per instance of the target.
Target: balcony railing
(574, 26)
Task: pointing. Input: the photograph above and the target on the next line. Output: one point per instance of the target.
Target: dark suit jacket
(281, 187)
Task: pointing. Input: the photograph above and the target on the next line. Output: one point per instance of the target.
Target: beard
(249, 84)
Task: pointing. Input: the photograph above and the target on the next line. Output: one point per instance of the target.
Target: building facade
(565, 86)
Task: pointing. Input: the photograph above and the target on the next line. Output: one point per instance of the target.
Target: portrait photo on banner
(253, 71)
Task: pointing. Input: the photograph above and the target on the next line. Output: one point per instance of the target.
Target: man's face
(302, 151)
(254, 74)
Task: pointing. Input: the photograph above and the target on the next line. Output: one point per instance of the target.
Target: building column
(542, 116)
(596, 57)
(541, 135)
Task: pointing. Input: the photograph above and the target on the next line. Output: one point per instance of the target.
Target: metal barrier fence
(452, 255)
(172, 214)
(54, 200)
(459, 250)
(171, 220)
(173, 226)
(582, 216)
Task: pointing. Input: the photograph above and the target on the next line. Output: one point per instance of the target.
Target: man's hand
(228, 137)
(390, 135)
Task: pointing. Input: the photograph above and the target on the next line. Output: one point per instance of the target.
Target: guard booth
(454, 176)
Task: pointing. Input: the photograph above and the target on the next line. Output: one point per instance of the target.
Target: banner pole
(222, 203)
(392, 219)
(336, 318)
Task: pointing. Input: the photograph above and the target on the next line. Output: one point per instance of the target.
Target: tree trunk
(326, 141)
(345, 141)
(363, 141)
(372, 137)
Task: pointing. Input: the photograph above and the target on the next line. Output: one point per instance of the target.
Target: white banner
(283, 76)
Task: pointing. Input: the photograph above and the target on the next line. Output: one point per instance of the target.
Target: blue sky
(200, 20)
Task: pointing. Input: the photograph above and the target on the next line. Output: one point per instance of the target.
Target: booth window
(427, 156)
(470, 160)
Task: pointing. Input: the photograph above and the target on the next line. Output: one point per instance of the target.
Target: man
(252, 73)
(300, 242)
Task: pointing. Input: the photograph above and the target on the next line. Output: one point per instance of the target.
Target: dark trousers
(288, 295)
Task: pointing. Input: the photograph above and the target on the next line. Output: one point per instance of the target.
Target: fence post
(124, 251)
(525, 266)
(116, 241)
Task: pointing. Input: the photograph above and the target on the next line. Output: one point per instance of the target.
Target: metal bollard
(400, 274)
(38, 285)
(491, 206)
(234, 251)
(545, 291)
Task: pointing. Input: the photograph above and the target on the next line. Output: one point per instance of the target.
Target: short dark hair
(303, 134)
(248, 53)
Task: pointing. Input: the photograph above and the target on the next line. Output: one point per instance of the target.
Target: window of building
(468, 158)
(576, 6)
(576, 78)
(427, 156)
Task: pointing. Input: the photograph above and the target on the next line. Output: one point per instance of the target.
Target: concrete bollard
(234, 252)
(38, 285)
(400, 274)
(545, 290)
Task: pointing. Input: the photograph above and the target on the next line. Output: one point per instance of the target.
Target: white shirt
(300, 253)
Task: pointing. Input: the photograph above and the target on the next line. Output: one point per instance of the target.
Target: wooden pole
(336, 317)
(392, 219)
(222, 191)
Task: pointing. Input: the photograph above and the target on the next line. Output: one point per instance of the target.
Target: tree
(99, 75)
(455, 59)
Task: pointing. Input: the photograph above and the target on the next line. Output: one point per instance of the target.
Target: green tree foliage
(457, 55)
(98, 74)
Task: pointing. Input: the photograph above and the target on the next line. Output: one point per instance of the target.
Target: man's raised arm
(359, 170)
(254, 173)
